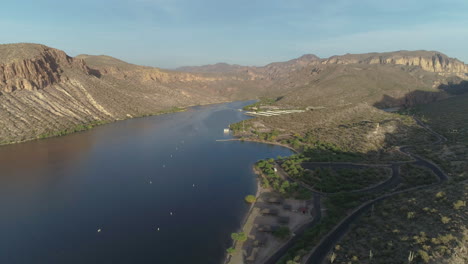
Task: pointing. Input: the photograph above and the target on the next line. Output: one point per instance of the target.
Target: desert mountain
(213, 68)
(44, 91)
(431, 61)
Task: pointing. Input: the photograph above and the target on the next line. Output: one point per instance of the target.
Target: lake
(128, 179)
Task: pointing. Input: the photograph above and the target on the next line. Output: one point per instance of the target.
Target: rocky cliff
(44, 92)
(105, 65)
(431, 61)
(34, 67)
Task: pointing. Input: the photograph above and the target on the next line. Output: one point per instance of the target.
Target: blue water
(56, 193)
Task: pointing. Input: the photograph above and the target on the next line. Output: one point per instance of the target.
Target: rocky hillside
(213, 68)
(32, 67)
(44, 92)
(401, 78)
(431, 61)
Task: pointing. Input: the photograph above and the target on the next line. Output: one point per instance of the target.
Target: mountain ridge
(434, 61)
(44, 91)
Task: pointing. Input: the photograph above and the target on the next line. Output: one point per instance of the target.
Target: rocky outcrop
(431, 61)
(213, 68)
(108, 66)
(45, 92)
(146, 74)
(43, 69)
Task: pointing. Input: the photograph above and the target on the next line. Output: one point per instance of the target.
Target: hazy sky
(171, 33)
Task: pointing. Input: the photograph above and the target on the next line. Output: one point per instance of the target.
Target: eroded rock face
(40, 71)
(428, 60)
(145, 74)
(43, 91)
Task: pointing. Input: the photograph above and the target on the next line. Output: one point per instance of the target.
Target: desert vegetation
(431, 224)
(271, 179)
(262, 102)
(336, 180)
(413, 175)
(250, 198)
(338, 206)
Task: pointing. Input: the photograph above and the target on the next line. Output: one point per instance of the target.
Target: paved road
(391, 182)
(320, 252)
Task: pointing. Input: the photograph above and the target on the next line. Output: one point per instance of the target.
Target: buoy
(151, 182)
(99, 230)
(158, 228)
(171, 213)
(193, 185)
(164, 166)
(171, 155)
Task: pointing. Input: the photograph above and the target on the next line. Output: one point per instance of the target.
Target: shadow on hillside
(95, 72)
(403, 134)
(410, 99)
(453, 87)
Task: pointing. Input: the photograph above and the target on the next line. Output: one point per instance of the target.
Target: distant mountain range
(44, 91)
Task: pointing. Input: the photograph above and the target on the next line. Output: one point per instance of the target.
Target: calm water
(55, 194)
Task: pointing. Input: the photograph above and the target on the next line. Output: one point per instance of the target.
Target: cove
(126, 178)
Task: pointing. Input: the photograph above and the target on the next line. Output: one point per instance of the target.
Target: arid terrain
(44, 92)
(370, 129)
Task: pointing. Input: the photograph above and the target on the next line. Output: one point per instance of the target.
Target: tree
(241, 237)
(284, 187)
(230, 250)
(250, 198)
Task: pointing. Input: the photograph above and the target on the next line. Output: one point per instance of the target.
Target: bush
(459, 204)
(241, 237)
(250, 198)
(230, 250)
(282, 232)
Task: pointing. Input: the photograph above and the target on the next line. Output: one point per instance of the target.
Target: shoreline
(248, 216)
(90, 125)
(248, 227)
(236, 138)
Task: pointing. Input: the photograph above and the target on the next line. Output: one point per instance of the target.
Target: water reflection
(55, 194)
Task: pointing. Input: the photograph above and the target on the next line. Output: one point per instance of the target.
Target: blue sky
(171, 33)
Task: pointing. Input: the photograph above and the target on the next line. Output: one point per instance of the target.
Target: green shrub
(230, 250)
(250, 198)
(241, 237)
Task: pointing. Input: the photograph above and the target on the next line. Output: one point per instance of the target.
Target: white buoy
(151, 182)
(193, 185)
(99, 230)
(170, 213)
(158, 228)
(171, 155)
(164, 166)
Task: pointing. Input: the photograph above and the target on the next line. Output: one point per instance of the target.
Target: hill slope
(44, 91)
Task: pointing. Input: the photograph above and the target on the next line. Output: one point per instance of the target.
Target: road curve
(326, 244)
